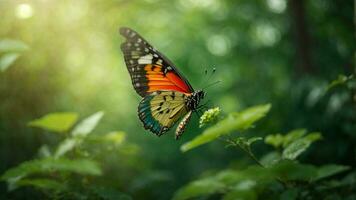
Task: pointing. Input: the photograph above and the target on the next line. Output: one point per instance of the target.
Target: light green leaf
(117, 137)
(57, 122)
(87, 125)
(292, 136)
(12, 45)
(275, 140)
(47, 165)
(65, 146)
(293, 150)
(330, 170)
(7, 60)
(233, 122)
(253, 140)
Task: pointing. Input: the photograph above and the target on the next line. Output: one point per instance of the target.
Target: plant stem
(248, 151)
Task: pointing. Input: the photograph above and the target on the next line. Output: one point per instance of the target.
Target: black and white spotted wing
(150, 70)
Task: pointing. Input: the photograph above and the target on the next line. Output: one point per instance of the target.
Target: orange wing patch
(157, 80)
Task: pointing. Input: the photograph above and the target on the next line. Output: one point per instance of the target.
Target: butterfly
(167, 94)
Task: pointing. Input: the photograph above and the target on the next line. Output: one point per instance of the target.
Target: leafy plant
(59, 168)
(277, 175)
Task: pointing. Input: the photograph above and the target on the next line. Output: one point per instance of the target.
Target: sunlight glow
(218, 45)
(24, 11)
(277, 6)
(266, 35)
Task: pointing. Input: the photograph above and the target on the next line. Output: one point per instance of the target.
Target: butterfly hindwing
(160, 110)
(150, 71)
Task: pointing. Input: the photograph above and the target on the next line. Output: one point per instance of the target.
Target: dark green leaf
(289, 170)
(80, 166)
(44, 184)
(330, 170)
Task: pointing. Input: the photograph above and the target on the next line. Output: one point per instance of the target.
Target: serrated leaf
(65, 146)
(295, 149)
(330, 170)
(292, 136)
(233, 122)
(87, 125)
(47, 165)
(57, 122)
(7, 60)
(12, 45)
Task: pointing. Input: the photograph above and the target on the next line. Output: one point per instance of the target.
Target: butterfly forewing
(150, 71)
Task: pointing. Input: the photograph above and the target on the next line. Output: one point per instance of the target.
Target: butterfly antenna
(211, 84)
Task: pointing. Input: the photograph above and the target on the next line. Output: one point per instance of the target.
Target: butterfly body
(167, 95)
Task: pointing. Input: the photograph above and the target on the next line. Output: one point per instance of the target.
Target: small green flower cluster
(209, 116)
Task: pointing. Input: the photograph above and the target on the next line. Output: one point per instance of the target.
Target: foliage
(60, 56)
(233, 122)
(10, 50)
(283, 178)
(56, 170)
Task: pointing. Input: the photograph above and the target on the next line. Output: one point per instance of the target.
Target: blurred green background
(277, 51)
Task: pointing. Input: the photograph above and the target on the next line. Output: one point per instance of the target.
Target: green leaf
(275, 140)
(240, 195)
(271, 158)
(292, 136)
(341, 79)
(253, 140)
(117, 137)
(7, 60)
(65, 146)
(110, 193)
(57, 122)
(47, 165)
(87, 125)
(44, 184)
(293, 150)
(330, 170)
(12, 45)
(203, 187)
(292, 171)
(290, 194)
(233, 122)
